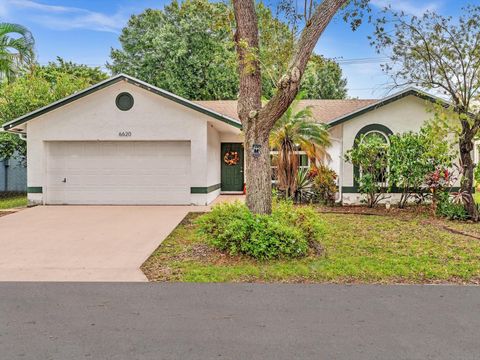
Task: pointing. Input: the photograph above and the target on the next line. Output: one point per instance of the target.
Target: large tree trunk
(466, 187)
(258, 121)
(257, 167)
(258, 172)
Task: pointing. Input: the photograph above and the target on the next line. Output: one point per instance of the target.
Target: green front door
(232, 166)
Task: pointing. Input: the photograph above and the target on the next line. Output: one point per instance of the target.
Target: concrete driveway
(83, 243)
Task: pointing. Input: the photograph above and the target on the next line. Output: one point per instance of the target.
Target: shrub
(477, 174)
(450, 209)
(286, 233)
(412, 156)
(369, 155)
(272, 239)
(304, 192)
(324, 184)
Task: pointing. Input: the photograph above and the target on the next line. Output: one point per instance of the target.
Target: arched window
(379, 134)
(374, 130)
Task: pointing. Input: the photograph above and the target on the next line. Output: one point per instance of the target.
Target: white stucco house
(124, 141)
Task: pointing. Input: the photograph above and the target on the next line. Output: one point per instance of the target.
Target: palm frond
(297, 129)
(16, 49)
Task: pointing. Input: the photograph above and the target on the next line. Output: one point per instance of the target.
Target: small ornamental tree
(370, 156)
(440, 53)
(411, 156)
(407, 168)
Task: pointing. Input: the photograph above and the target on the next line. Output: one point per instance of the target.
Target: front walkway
(85, 243)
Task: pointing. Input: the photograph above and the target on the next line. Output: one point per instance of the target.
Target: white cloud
(28, 4)
(413, 7)
(68, 18)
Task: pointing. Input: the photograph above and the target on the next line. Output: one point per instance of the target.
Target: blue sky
(84, 31)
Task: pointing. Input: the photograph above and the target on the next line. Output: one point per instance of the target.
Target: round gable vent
(124, 101)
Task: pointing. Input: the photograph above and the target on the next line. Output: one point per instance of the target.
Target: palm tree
(295, 131)
(16, 49)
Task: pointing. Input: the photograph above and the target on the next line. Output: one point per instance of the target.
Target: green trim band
(394, 190)
(34, 190)
(205, 190)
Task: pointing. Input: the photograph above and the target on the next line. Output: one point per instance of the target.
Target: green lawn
(358, 249)
(9, 201)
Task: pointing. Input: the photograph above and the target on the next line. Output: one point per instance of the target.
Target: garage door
(114, 172)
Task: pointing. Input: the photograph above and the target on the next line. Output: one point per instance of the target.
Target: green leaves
(370, 156)
(323, 79)
(401, 163)
(188, 49)
(284, 234)
(295, 130)
(42, 86)
(16, 49)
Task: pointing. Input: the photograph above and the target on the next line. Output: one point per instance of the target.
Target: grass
(12, 200)
(358, 249)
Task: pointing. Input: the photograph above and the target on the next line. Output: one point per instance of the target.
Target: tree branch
(289, 84)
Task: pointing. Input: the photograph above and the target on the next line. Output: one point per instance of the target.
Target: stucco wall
(335, 150)
(407, 114)
(96, 117)
(213, 156)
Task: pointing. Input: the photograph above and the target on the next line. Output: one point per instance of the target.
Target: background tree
(296, 130)
(257, 119)
(187, 48)
(16, 49)
(60, 67)
(441, 53)
(40, 87)
(323, 79)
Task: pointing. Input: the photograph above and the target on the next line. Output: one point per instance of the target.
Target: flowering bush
(324, 184)
(438, 182)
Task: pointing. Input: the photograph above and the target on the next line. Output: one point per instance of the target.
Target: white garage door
(118, 172)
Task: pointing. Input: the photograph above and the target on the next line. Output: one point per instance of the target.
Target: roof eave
(10, 126)
(385, 101)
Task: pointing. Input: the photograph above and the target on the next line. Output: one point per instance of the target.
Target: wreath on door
(231, 158)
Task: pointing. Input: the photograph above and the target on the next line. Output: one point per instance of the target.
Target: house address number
(125, 133)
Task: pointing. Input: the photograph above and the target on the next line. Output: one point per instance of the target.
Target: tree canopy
(40, 87)
(188, 48)
(323, 79)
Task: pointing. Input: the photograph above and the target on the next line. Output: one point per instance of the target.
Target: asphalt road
(227, 321)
